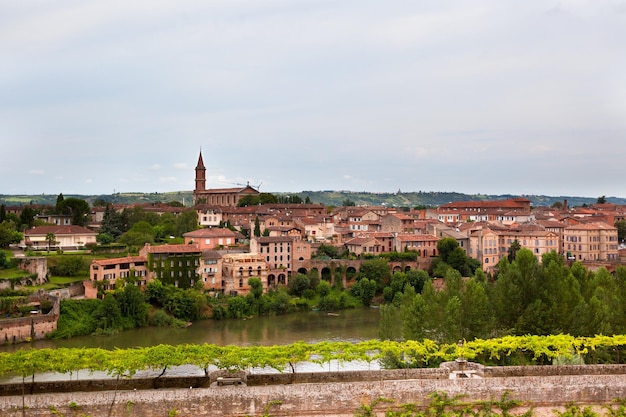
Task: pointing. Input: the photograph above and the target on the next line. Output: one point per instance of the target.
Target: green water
(310, 327)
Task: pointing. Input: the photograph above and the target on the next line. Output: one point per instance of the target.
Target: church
(224, 197)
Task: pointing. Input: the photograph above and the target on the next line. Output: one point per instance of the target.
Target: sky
(482, 96)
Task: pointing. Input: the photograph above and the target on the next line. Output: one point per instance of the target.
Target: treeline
(524, 297)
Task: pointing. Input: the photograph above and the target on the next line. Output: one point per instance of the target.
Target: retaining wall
(330, 399)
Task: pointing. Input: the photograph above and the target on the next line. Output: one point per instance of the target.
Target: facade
(217, 196)
(490, 245)
(66, 237)
(238, 268)
(209, 216)
(174, 264)
(212, 238)
(284, 256)
(210, 271)
(103, 274)
(591, 242)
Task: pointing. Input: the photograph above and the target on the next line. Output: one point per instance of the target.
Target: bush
(161, 319)
(68, 266)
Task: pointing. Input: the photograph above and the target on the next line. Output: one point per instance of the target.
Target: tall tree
(257, 227)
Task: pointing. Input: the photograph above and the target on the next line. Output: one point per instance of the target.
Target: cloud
(36, 172)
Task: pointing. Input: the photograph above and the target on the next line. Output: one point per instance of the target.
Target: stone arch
(407, 268)
(351, 273)
(271, 280)
(282, 279)
(396, 268)
(302, 271)
(327, 274)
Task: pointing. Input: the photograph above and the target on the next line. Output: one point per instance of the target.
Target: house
(238, 268)
(364, 246)
(284, 256)
(177, 265)
(103, 274)
(209, 216)
(591, 242)
(425, 245)
(65, 237)
(212, 238)
(210, 271)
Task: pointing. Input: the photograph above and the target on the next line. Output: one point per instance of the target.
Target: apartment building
(238, 268)
(490, 245)
(174, 264)
(104, 273)
(595, 241)
(284, 255)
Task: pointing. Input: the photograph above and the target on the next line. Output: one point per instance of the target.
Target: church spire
(200, 174)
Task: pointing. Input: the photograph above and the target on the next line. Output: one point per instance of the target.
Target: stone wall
(30, 328)
(330, 399)
(35, 265)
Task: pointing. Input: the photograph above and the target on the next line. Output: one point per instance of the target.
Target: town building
(174, 264)
(217, 196)
(238, 268)
(104, 273)
(65, 237)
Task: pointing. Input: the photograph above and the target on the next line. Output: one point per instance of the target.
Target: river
(311, 327)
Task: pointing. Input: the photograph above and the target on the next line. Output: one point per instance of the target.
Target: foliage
(527, 349)
(68, 266)
(9, 234)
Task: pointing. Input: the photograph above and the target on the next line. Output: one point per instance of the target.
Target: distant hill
(328, 198)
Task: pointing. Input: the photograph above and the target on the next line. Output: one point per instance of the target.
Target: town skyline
(480, 98)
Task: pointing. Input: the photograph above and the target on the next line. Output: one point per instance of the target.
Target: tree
(78, 208)
(51, 240)
(257, 227)
(512, 251)
(376, 269)
(3, 213)
(9, 234)
(445, 246)
(621, 230)
(298, 284)
(187, 221)
(256, 287)
(348, 203)
(27, 217)
(601, 200)
(364, 290)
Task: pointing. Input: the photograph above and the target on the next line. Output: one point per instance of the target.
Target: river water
(311, 327)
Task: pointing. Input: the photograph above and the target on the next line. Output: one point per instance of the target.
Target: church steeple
(200, 174)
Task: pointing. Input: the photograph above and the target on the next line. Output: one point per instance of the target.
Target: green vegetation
(525, 297)
(127, 362)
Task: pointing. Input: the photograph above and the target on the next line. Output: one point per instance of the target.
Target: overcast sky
(481, 96)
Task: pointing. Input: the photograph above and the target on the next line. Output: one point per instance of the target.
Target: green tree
(187, 222)
(256, 287)
(376, 269)
(51, 240)
(108, 315)
(621, 230)
(601, 200)
(257, 227)
(138, 235)
(298, 284)
(27, 217)
(512, 251)
(364, 290)
(78, 208)
(3, 213)
(9, 234)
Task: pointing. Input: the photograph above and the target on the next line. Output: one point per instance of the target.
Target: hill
(327, 197)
